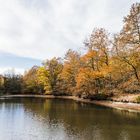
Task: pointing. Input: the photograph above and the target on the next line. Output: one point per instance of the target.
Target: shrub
(138, 99)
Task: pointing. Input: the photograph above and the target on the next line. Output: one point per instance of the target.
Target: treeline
(110, 65)
(11, 83)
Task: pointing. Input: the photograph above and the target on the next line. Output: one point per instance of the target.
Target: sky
(34, 30)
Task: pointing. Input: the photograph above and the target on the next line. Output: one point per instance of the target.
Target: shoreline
(131, 107)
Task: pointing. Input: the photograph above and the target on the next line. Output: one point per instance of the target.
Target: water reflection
(55, 119)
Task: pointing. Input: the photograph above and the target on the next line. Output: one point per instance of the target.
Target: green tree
(12, 83)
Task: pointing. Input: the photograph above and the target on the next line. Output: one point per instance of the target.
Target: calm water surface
(55, 119)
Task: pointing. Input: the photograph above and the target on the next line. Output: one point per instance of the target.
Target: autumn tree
(127, 42)
(43, 79)
(52, 68)
(30, 80)
(70, 70)
(1, 84)
(95, 63)
(99, 42)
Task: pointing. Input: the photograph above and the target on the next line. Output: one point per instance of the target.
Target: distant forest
(110, 65)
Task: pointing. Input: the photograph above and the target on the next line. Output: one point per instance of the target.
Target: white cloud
(45, 28)
(6, 70)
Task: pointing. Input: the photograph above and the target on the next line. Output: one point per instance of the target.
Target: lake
(59, 119)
